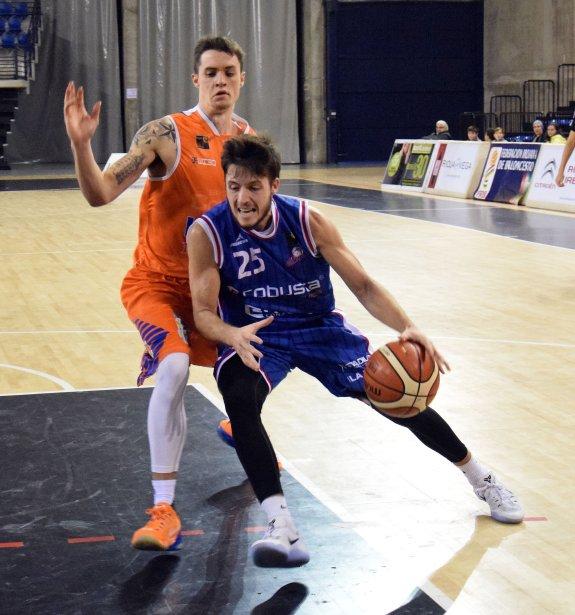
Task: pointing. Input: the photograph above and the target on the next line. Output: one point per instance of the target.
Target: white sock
(276, 506)
(476, 473)
(164, 491)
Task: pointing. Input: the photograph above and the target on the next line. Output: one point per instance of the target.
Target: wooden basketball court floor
(492, 285)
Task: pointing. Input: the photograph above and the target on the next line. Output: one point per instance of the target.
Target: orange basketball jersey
(192, 186)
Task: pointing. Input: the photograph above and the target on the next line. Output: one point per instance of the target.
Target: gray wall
(266, 30)
(80, 43)
(525, 39)
(313, 77)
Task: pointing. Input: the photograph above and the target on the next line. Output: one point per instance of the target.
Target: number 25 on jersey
(251, 263)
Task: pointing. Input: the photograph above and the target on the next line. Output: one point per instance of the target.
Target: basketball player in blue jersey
(260, 280)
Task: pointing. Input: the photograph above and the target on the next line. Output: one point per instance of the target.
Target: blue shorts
(330, 349)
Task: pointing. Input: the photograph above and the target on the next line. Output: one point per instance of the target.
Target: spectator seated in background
(441, 132)
(473, 133)
(554, 135)
(538, 134)
(499, 135)
(489, 135)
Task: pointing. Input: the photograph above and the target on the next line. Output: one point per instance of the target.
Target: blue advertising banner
(507, 172)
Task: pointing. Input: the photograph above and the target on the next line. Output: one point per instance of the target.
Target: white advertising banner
(543, 192)
(457, 168)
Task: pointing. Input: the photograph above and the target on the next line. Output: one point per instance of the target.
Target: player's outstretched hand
(560, 179)
(413, 334)
(242, 344)
(80, 125)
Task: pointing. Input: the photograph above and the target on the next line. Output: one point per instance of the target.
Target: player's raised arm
(205, 288)
(567, 151)
(101, 187)
(372, 295)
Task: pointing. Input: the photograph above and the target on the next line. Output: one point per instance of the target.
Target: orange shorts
(161, 308)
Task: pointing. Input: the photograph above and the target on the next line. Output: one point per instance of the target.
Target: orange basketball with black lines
(401, 379)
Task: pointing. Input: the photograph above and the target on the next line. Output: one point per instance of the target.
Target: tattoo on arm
(144, 135)
(155, 130)
(127, 166)
(168, 131)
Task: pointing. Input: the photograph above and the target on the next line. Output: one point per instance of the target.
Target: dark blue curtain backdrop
(394, 68)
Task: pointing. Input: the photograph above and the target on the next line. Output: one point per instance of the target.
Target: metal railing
(539, 94)
(18, 47)
(505, 103)
(519, 121)
(565, 85)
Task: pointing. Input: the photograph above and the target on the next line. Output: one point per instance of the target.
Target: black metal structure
(505, 103)
(19, 37)
(539, 94)
(565, 88)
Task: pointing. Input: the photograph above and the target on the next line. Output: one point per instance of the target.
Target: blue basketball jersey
(276, 272)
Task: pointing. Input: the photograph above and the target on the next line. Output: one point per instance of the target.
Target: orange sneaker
(226, 434)
(162, 532)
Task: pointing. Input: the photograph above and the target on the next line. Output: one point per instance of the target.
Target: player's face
(219, 80)
(250, 197)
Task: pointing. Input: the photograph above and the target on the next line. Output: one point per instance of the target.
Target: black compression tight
(434, 432)
(244, 392)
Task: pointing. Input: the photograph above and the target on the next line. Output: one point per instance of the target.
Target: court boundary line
(417, 194)
(464, 228)
(481, 340)
(6, 254)
(384, 334)
(117, 388)
(66, 386)
(75, 331)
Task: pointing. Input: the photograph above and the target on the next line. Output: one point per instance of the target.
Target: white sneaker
(503, 504)
(281, 546)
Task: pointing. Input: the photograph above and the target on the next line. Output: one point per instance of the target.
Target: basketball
(401, 379)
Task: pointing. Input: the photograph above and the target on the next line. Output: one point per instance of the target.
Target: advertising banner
(396, 164)
(457, 168)
(507, 172)
(543, 192)
(417, 165)
(409, 165)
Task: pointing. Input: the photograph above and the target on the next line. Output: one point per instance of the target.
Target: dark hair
(473, 128)
(257, 154)
(217, 43)
(490, 133)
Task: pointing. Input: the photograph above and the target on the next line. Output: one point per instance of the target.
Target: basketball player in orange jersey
(182, 154)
